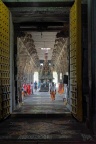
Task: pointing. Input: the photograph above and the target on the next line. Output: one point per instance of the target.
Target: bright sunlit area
(36, 76)
(55, 76)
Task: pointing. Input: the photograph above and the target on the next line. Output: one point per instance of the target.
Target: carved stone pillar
(16, 31)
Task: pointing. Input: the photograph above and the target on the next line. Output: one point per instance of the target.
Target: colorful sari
(28, 89)
(52, 91)
(61, 88)
(52, 94)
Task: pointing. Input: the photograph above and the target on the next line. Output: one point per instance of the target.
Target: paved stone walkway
(41, 103)
(44, 129)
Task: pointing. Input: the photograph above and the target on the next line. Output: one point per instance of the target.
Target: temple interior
(47, 71)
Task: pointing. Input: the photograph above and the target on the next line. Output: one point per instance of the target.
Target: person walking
(31, 85)
(52, 91)
(35, 86)
(61, 88)
(22, 89)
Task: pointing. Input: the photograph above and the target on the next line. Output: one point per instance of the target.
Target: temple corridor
(49, 46)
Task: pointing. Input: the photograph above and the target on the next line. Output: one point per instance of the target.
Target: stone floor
(44, 130)
(66, 129)
(40, 103)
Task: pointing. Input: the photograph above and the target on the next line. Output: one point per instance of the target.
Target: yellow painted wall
(4, 62)
(76, 60)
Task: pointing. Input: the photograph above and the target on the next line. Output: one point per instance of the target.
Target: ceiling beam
(28, 24)
(37, 20)
(44, 26)
(39, 4)
(46, 30)
(41, 26)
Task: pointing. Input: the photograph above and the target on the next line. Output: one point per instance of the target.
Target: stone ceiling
(44, 40)
(24, 11)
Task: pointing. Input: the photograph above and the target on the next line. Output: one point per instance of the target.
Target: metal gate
(76, 60)
(4, 62)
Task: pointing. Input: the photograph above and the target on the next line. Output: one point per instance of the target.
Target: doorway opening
(41, 59)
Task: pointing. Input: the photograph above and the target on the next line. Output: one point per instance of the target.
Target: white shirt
(31, 86)
(53, 88)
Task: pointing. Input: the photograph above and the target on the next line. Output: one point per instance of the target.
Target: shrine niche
(45, 74)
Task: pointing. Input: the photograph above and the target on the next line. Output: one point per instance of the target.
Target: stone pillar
(16, 31)
(58, 77)
(12, 86)
(92, 63)
(31, 77)
(27, 78)
(85, 87)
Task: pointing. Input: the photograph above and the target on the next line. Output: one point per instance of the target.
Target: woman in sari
(29, 89)
(52, 91)
(61, 89)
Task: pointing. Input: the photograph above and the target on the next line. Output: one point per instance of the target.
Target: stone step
(60, 115)
(44, 142)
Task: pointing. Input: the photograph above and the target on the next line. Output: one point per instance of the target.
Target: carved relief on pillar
(29, 44)
(59, 55)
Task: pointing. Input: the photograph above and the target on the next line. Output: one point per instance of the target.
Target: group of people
(27, 89)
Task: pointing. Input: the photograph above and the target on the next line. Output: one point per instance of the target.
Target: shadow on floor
(44, 130)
